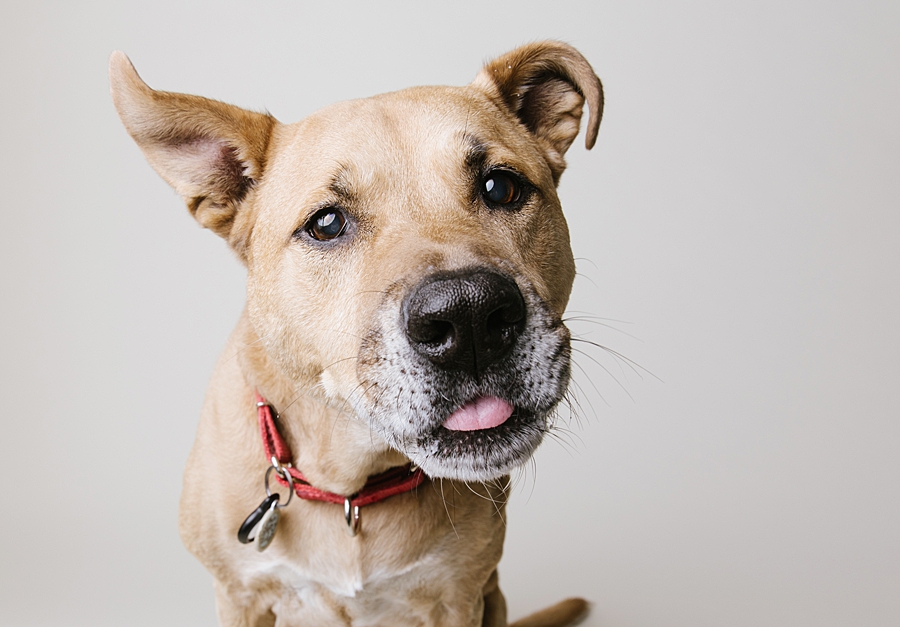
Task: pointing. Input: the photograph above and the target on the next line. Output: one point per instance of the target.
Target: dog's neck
(331, 446)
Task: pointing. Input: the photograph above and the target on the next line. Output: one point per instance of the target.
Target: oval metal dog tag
(267, 528)
(252, 525)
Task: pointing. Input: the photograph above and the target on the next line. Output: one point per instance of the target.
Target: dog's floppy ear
(212, 153)
(544, 85)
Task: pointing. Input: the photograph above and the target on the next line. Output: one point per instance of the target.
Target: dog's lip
(484, 412)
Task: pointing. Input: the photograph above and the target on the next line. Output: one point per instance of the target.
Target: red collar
(378, 487)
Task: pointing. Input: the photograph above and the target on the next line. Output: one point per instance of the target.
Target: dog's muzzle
(464, 380)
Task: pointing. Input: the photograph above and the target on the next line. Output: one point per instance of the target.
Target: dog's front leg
(233, 613)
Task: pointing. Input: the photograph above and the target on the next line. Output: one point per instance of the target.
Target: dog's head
(407, 253)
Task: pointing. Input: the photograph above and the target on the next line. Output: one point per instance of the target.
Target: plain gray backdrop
(736, 229)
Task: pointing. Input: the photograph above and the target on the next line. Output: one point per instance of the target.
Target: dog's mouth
(479, 439)
(485, 412)
(483, 439)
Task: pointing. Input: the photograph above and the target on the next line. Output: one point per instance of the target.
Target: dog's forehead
(388, 142)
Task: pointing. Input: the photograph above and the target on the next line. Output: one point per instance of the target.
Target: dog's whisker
(588, 260)
(605, 369)
(532, 466)
(345, 405)
(566, 446)
(349, 416)
(575, 438)
(593, 385)
(581, 319)
(397, 400)
(574, 406)
(633, 364)
(522, 477)
(617, 362)
(502, 488)
(485, 497)
(589, 315)
(339, 361)
(587, 278)
(576, 389)
(573, 402)
(289, 404)
(562, 437)
(489, 497)
(343, 332)
(446, 508)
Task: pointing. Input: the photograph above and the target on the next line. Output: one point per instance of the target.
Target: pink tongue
(485, 412)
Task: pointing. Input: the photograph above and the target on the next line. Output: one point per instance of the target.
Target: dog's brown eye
(326, 224)
(501, 188)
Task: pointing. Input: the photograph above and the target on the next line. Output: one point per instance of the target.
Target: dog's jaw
(406, 399)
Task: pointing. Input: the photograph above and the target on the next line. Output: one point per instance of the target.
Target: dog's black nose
(464, 320)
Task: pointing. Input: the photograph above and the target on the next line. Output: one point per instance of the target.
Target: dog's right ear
(212, 153)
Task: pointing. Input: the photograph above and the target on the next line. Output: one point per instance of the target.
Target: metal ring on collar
(281, 468)
(284, 474)
(351, 515)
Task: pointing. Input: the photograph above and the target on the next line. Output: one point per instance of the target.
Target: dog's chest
(420, 559)
(421, 593)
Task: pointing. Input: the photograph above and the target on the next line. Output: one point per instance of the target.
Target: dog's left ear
(212, 153)
(545, 85)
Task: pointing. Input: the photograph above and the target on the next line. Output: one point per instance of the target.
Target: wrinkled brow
(476, 153)
(340, 184)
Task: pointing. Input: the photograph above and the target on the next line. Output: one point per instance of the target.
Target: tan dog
(408, 266)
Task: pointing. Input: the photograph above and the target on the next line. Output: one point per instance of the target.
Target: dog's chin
(482, 454)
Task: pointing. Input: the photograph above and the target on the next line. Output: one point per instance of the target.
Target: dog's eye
(326, 224)
(501, 188)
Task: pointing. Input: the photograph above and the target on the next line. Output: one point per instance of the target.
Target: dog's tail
(563, 614)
